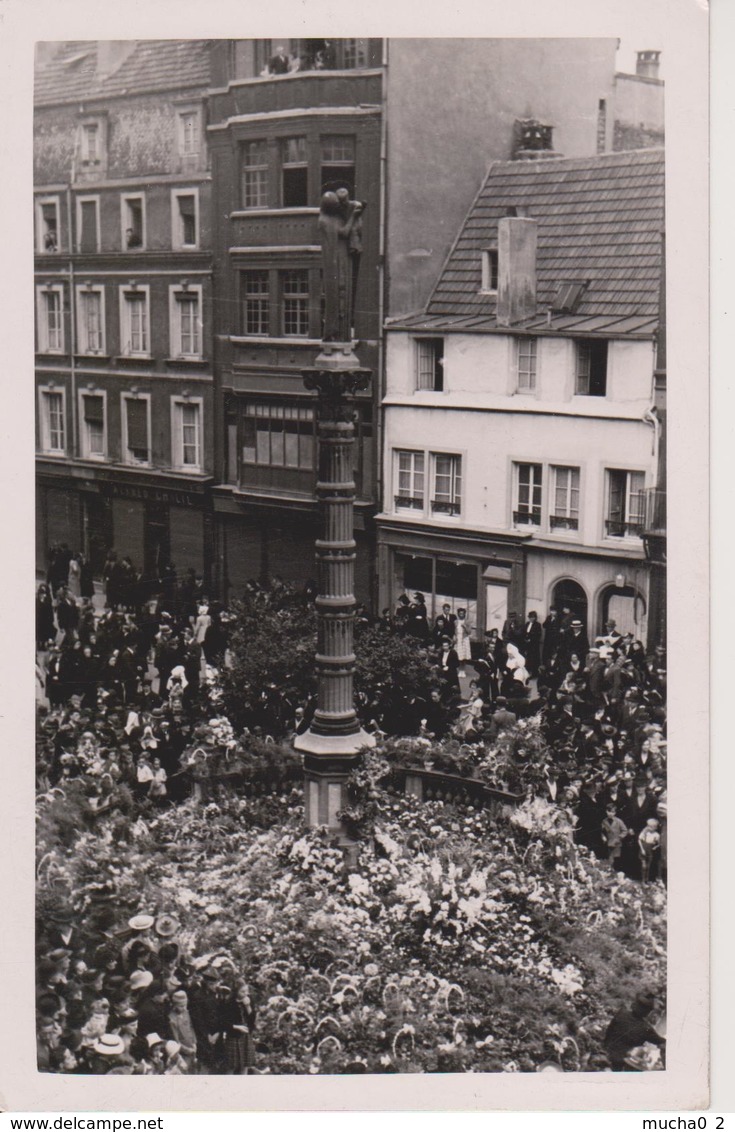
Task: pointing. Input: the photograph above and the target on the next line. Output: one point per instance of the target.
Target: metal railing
(563, 523)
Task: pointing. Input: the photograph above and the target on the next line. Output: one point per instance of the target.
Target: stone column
(332, 743)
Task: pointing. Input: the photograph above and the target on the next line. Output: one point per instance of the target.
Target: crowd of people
(122, 696)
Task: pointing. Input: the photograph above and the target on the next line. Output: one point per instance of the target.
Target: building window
(338, 163)
(527, 510)
(354, 53)
(591, 380)
(53, 440)
(490, 270)
(91, 143)
(256, 303)
(93, 426)
(134, 322)
(50, 320)
(47, 224)
(295, 291)
(430, 364)
(133, 221)
(447, 484)
(186, 322)
(626, 504)
(88, 224)
(255, 174)
(410, 480)
(189, 134)
(90, 320)
(187, 435)
(526, 364)
(185, 219)
(136, 430)
(294, 173)
(565, 516)
(278, 436)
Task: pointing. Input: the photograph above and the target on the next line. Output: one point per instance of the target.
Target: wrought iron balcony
(527, 518)
(563, 523)
(445, 507)
(415, 502)
(617, 528)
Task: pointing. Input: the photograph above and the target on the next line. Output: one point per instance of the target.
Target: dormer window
(490, 271)
(568, 296)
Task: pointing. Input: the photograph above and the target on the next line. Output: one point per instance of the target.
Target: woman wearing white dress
(462, 639)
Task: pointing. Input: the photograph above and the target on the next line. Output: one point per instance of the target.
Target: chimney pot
(647, 64)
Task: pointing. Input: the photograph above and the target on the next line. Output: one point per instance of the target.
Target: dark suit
(532, 646)
(449, 666)
(552, 630)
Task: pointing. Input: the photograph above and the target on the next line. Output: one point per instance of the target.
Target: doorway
(569, 594)
(625, 606)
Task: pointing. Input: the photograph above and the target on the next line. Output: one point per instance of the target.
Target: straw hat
(110, 1045)
(141, 923)
(140, 979)
(166, 925)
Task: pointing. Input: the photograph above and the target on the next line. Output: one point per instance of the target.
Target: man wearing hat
(575, 640)
(208, 1007)
(630, 1028)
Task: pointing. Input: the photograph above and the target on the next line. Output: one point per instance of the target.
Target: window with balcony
(133, 221)
(294, 173)
(254, 174)
(136, 429)
(278, 435)
(90, 320)
(93, 426)
(50, 317)
(295, 298)
(185, 219)
(354, 53)
(565, 514)
(626, 504)
(528, 483)
(447, 495)
(591, 374)
(255, 303)
(52, 430)
(187, 435)
(186, 322)
(338, 162)
(134, 321)
(409, 473)
(526, 364)
(47, 225)
(430, 364)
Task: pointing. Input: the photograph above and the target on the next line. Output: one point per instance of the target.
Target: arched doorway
(568, 593)
(626, 607)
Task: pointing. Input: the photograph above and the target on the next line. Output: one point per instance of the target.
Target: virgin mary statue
(340, 231)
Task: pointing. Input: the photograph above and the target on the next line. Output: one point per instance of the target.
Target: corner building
(123, 288)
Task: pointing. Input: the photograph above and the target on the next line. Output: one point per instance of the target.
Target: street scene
(351, 659)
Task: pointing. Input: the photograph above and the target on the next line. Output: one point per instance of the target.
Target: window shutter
(138, 425)
(94, 411)
(88, 238)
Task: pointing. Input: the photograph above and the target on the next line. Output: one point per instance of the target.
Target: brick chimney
(111, 54)
(517, 239)
(647, 64)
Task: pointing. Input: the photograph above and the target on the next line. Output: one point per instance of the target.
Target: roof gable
(72, 72)
(599, 221)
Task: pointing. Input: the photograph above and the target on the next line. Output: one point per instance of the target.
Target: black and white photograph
(351, 604)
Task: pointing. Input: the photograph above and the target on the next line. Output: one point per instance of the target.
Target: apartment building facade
(521, 428)
(123, 280)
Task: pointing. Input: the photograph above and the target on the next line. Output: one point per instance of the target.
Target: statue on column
(340, 231)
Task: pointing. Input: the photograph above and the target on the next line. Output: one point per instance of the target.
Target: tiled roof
(71, 73)
(599, 219)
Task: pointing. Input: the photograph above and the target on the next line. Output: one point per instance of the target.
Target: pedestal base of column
(325, 789)
(333, 746)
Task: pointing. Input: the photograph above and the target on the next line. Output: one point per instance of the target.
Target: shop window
(338, 163)
(591, 377)
(430, 364)
(447, 497)
(278, 436)
(626, 504)
(254, 174)
(528, 484)
(294, 173)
